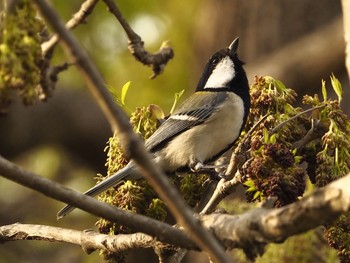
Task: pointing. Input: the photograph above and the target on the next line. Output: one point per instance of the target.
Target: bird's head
(224, 71)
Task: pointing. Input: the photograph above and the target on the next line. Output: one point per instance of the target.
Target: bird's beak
(234, 46)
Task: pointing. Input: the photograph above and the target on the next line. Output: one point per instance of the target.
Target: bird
(203, 128)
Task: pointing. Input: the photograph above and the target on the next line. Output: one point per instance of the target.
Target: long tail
(126, 173)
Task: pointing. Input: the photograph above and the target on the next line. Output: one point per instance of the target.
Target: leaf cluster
(21, 58)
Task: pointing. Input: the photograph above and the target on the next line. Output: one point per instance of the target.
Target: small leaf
(156, 111)
(280, 86)
(177, 96)
(273, 138)
(337, 87)
(256, 195)
(125, 89)
(324, 90)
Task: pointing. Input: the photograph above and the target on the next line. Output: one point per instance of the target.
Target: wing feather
(181, 120)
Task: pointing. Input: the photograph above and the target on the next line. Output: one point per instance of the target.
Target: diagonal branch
(251, 231)
(162, 231)
(79, 17)
(228, 184)
(131, 143)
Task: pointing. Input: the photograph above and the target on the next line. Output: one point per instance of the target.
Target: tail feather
(104, 185)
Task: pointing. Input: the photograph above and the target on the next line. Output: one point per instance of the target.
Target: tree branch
(162, 231)
(156, 61)
(250, 231)
(79, 17)
(228, 184)
(88, 240)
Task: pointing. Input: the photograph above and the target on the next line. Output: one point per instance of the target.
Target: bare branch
(88, 240)
(251, 231)
(156, 61)
(85, 10)
(294, 117)
(162, 231)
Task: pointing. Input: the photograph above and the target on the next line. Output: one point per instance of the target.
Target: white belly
(203, 142)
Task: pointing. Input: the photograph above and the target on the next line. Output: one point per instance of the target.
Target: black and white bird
(204, 127)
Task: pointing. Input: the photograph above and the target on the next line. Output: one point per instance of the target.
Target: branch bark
(250, 231)
(156, 61)
(79, 17)
(88, 240)
(162, 231)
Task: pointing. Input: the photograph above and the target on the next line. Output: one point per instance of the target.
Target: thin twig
(294, 117)
(79, 17)
(131, 143)
(235, 160)
(316, 131)
(227, 186)
(156, 61)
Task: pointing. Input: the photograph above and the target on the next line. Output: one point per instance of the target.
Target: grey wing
(182, 120)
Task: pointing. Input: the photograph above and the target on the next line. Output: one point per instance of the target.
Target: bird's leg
(199, 167)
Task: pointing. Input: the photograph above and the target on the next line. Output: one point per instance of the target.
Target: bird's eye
(215, 61)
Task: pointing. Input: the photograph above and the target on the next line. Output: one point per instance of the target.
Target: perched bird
(205, 126)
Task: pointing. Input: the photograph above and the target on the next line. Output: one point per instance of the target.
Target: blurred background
(297, 41)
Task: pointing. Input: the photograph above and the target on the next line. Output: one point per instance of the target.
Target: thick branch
(253, 230)
(250, 231)
(88, 240)
(162, 231)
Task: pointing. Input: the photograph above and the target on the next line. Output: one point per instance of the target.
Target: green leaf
(324, 90)
(125, 89)
(256, 195)
(273, 138)
(337, 87)
(177, 96)
(280, 86)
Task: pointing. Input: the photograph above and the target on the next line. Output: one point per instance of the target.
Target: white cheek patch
(223, 73)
